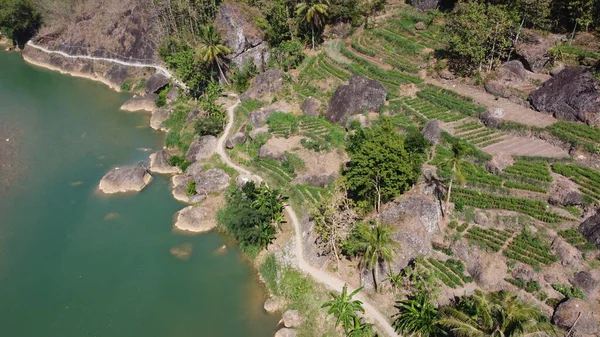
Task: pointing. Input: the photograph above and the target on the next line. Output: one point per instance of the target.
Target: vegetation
(418, 316)
(575, 238)
(344, 308)
(19, 20)
(488, 238)
(314, 14)
(568, 291)
(587, 178)
(577, 134)
(252, 215)
(530, 249)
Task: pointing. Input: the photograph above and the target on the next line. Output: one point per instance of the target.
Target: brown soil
(521, 146)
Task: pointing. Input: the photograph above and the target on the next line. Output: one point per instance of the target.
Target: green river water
(76, 263)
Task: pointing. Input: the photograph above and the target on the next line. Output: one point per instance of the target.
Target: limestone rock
(339, 30)
(432, 131)
(213, 180)
(196, 219)
(499, 162)
(420, 26)
(564, 193)
(446, 74)
(257, 132)
(569, 255)
(159, 163)
(286, 332)
(586, 282)
(269, 82)
(503, 81)
(590, 228)
(317, 179)
(274, 304)
(235, 23)
(292, 319)
(159, 116)
(492, 118)
(358, 95)
(567, 313)
(534, 50)
(125, 179)
(141, 103)
(173, 95)
(202, 148)
(571, 95)
(311, 107)
(180, 190)
(237, 139)
(425, 5)
(156, 83)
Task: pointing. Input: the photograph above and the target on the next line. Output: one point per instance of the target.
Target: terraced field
(493, 239)
(528, 175)
(528, 147)
(478, 134)
(587, 178)
(450, 272)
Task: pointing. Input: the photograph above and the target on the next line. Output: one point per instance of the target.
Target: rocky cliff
(118, 29)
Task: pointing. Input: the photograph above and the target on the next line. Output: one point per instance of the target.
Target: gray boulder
(141, 103)
(420, 26)
(576, 310)
(180, 189)
(432, 131)
(586, 282)
(358, 95)
(503, 81)
(492, 118)
(311, 107)
(202, 148)
(569, 256)
(317, 179)
(196, 219)
(446, 74)
(159, 116)
(571, 95)
(173, 95)
(590, 228)
(533, 49)
(425, 5)
(274, 304)
(486, 270)
(125, 179)
(192, 114)
(499, 162)
(156, 83)
(213, 180)
(292, 319)
(159, 163)
(237, 139)
(259, 116)
(286, 332)
(257, 132)
(235, 22)
(269, 82)
(564, 193)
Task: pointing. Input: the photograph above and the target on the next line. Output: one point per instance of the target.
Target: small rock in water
(183, 251)
(111, 216)
(220, 250)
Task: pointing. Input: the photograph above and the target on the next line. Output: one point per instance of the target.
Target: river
(76, 263)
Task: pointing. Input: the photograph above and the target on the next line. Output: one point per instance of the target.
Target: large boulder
(257, 132)
(564, 193)
(156, 83)
(487, 270)
(235, 22)
(311, 107)
(173, 95)
(586, 282)
(533, 50)
(196, 219)
(213, 180)
(571, 95)
(292, 319)
(159, 116)
(159, 163)
(416, 220)
(140, 103)
(358, 95)
(576, 310)
(202, 148)
(425, 5)
(286, 332)
(569, 256)
(276, 147)
(259, 116)
(237, 139)
(274, 304)
(492, 118)
(125, 179)
(269, 82)
(503, 81)
(590, 228)
(432, 131)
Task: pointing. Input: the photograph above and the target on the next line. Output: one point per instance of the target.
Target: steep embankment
(124, 30)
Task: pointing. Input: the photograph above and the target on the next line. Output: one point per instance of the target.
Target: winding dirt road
(320, 276)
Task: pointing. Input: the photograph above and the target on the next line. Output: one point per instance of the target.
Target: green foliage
(531, 286)
(577, 134)
(587, 178)
(294, 162)
(240, 78)
(418, 316)
(19, 20)
(380, 166)
(268, 271)
(190, 190)
(179, 56)
(344, 308)
(288, 55)
(488, 238)
(568, 291)
(161, 100)
(251, 213)
(141, 85)
(210, 125)
(575, 238)
(180, 162)
(282, 124)
(211, 52)
(126, 85)
(530, 249)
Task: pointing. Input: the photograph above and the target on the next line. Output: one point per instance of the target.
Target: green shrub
(191, 189)
(240, 78)
(211, 125)
(141, 85)
(161, 100)
(568, 291)
(126, 85)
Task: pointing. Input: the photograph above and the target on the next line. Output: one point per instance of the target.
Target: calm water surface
(75, 263)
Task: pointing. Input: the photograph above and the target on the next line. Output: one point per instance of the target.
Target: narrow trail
(158, 68)
(320, 276)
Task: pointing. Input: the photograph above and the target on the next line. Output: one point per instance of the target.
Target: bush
(568, 291)
(180, 162)
(288, 55)
(211, 125)
(126, 85)
(240, 79)
(191, 189)
(161, 100)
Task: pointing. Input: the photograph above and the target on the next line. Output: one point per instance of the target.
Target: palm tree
(459, 149)
(314, 14)
(376, 245)
(418, 316)
(211, 51)
(344, 308)
(501, 314)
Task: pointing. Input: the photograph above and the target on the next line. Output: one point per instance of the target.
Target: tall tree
(376, 245)
(314, 15)
(19, 20)
(459, 150)
(418, 316)
(211, 51)
(344, 308)
(494, 314)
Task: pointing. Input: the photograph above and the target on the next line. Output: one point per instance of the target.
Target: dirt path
(320, 276)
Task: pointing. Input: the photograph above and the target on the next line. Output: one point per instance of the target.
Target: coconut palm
(376, 245)
(417, 316)
(459, 150)
(211, 51)
(501, 314)
(344, 308)
(314, 15)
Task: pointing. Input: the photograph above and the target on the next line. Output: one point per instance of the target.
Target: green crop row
(528, 286)
(332, 69)
(526, 187)
(587, 178)
(488, 238)
(536, 170)
(453, 103)
(568, 291)
(576, 135)
(363, 50)
(575, 238)
(450, 272)
(441, 248)
(530, 249)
